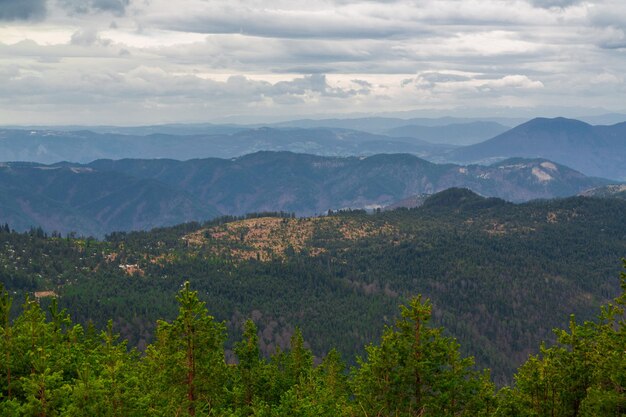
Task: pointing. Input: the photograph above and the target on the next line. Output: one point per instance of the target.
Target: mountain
(452, 134)
(68, 198)
(50, 146)
(593, 150)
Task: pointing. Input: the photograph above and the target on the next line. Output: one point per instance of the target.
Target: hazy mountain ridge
(309, 184)
(130, 194)
(82, 146)
(594, 150)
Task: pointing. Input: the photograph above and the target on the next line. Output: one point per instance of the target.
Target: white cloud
(513, 81)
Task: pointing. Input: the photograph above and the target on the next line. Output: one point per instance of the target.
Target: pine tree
(250, 368)
(417, 371)
(186, 364)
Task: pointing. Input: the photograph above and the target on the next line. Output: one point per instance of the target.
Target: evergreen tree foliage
(50, 366)
(584, 374)
(417, 371)
(187, 361)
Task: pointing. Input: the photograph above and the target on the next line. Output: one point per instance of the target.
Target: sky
(131, 62)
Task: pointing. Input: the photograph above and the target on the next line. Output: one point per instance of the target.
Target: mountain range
(131, 194)
(593, 150)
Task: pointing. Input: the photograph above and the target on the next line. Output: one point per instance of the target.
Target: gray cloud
(554, 3)
(437, 77)
(363, 83)
(117, 7)
(612, 38)
(317, 83)
(22, 9)
(291, 21)
(88, 37)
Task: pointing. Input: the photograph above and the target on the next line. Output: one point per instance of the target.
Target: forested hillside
(51, 366)
(501, 276)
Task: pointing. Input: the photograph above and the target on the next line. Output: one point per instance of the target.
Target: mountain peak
(560, 123)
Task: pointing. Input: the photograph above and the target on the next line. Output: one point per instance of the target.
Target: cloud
(117, 7)
(290, 20)
(554, 3)
(316, 84)
(362, 83)
(158, 87)
(470, 84)
(22, 9)
(202, 59)
(513, 81)
(438, 77)
(88, 37)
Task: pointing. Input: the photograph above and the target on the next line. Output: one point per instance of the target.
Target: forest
(500, 276)
(53, 367)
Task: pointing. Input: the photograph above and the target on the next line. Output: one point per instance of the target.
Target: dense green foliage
(501, 276)
(53, 367)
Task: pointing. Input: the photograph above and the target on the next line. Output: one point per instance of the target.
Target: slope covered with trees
(500, 275)
(51, 366)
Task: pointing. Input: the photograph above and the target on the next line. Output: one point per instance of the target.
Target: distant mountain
(176, 129)
(75, 198)
(452, 134)
(50, 146)
(384, 124)
(594, 150)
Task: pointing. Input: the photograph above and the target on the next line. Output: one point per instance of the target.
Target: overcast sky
(160, 61)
